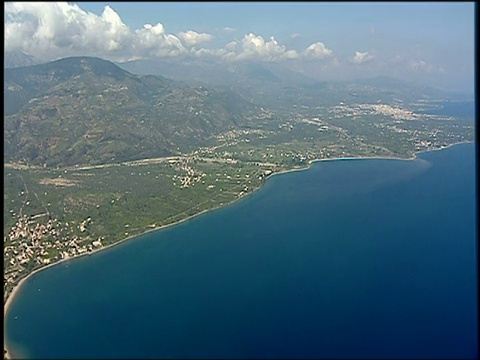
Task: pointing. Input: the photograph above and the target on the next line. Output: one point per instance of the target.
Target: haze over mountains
(85, 110)
(275, 85)
(14, 59)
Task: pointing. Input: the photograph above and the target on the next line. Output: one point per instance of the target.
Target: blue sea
(462, 109)
(356, 258)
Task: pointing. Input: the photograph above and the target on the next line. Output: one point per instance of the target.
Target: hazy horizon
(429, 43)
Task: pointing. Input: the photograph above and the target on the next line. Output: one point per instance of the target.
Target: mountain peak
(85, 110)
(78, 65)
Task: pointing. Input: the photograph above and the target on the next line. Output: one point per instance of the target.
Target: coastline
(17, 287)
(413, 157)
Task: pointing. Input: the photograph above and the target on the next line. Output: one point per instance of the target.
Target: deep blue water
(349, 259)
(463, 109)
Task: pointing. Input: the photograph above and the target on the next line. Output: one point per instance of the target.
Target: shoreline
(415, 155)
(16, 288)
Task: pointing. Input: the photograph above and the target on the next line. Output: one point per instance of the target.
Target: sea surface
(356, 258)
(462, 109)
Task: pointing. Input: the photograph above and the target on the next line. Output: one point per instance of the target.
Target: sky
(431, 43)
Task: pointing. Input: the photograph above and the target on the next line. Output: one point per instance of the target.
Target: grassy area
(72, 209)
(123, 199)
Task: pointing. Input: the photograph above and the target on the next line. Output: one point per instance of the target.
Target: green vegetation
(109, 204)
(89, 111)
(98, 155)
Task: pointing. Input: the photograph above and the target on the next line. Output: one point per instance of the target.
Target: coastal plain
(95, 155)
(55, 214)
(364, 264)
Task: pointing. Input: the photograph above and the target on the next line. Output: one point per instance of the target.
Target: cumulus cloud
(252, 47)
(229, 29)
(316, 51)
(51, 30)
(152, 41)
(362, 57)
(48, 29)
(191, 38)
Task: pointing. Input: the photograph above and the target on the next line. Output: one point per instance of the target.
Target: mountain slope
(86, 110)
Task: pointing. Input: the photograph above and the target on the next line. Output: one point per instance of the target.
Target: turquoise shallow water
(349, 259)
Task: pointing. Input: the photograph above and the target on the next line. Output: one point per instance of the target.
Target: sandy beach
(17, 287)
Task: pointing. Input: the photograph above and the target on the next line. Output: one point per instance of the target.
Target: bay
(356, 258)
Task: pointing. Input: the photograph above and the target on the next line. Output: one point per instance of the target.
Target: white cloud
(295, 36)
(229, 29)
(152, 41)
(253, 47)
(53, 30)
(362, 57)
(316, 51)
(191, 38)
(50, 29)
(231, 46)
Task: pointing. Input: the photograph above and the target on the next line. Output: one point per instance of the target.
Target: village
(236, 164)
(31, 244)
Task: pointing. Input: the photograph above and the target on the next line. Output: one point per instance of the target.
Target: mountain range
(276, 85)
(85, 110)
